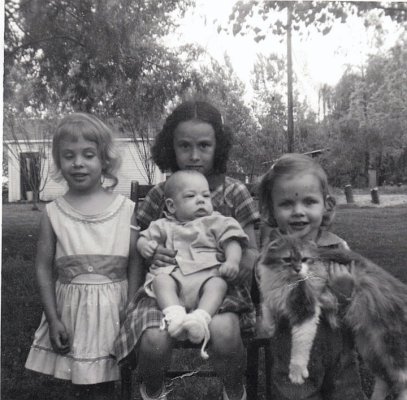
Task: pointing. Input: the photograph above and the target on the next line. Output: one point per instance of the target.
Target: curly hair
(289, 165)
(76, 125)
(163, 149)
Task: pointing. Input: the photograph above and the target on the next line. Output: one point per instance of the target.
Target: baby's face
(192, 199)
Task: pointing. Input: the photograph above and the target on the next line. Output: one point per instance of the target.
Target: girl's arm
(43, 266)
(249, 256)
(136, 270)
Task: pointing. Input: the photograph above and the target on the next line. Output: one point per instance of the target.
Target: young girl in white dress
(85, 241)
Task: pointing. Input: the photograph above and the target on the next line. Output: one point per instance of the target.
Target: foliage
(307, 13)
(367, 120)
(104, 57)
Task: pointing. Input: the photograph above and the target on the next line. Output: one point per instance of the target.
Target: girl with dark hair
(194, 137)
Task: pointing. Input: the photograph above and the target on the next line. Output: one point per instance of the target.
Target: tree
(301, 14)
(368, 119)
(29, 147)
(104, 57)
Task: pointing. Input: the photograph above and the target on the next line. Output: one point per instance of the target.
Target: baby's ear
(169, 203)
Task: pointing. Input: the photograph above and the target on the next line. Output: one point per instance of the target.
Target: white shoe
(197, 330)
(161, 396)
(173, 320)
(226, 397)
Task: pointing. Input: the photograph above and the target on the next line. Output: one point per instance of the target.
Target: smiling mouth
(298, 225)
(195, 167)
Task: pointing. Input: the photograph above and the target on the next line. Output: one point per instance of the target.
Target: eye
(67, 156)
(304, 259)
(287, 260)
(204, 145)
(90, 155)
(285, 204)
(310, 201)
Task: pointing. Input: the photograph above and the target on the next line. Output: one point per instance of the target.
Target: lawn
(378, 233)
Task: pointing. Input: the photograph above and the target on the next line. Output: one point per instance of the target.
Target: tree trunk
(290, 117)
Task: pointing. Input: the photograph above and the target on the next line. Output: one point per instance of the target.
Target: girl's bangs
(78, 129)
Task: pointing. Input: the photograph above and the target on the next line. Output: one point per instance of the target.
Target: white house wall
(131, 169)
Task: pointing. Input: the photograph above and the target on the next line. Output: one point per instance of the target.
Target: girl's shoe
(161, 396)
(173, 320)
(197, 330)
(226, 397)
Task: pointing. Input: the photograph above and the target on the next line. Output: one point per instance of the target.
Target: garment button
(90, 268)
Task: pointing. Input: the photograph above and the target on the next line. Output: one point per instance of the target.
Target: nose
(195, 156)
(298, 209)
(297, 267)
(200, 199)
(77, 162)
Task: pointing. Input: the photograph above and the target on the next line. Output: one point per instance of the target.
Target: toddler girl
(294, 199)
(194, 137)
(85, 239)
(208, 249)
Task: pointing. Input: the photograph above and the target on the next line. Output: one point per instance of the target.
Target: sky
(317, 59)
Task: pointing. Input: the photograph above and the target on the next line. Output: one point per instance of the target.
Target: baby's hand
(59, 337)
(229, 270)
(341, 280)
(148, 249)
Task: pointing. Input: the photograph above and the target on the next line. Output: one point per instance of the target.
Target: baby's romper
(91, 261)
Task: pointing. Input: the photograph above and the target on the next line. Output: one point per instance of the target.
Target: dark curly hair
(163, 149)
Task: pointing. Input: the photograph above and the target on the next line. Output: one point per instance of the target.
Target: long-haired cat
(294, 282)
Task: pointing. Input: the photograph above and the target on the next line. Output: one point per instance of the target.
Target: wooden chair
(252, 345)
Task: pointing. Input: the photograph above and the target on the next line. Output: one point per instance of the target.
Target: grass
(378, 233)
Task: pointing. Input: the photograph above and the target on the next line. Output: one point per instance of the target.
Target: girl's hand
(59, 337)
(164, 257)
(341, 280)
(229, 271)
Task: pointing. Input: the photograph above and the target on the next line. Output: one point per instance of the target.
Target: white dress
(91, 291)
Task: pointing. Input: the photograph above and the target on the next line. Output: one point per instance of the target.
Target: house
(30, 164)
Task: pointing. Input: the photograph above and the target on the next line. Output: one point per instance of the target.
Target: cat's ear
(272, 247)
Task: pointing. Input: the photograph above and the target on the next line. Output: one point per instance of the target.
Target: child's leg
(197, 322)
(212, 294)
(165, 290)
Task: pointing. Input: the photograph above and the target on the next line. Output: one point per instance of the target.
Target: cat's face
(294, 258)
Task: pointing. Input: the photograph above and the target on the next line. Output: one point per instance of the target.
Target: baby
(209, 250)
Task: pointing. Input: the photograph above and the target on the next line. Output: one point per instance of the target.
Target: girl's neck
(215, 180)
(90, 202)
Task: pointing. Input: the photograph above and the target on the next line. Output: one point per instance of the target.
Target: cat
(294, 283)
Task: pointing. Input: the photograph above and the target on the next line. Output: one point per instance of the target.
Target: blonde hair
(91, 128)
(289, 165)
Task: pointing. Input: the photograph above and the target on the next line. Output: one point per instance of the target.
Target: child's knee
(155, 341)
(215, 285)
(225, 333)
(164, 281)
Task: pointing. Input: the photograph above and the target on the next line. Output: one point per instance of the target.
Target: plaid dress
(231, 198)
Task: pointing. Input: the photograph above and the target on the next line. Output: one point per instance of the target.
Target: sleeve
(151, 208)
(245, 209)
(229, 228)
(155, 231)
